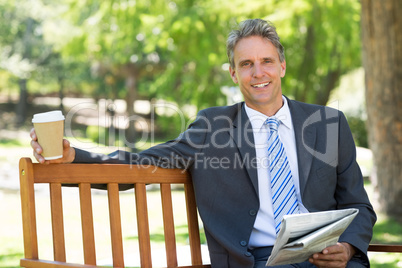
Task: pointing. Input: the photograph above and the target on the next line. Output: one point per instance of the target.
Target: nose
(257, 70)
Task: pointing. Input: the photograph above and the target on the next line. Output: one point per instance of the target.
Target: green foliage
(173, 50)
(22, 45)
(169, 127)
(6, 86)
(359, 131)
(96, 134)
(322, 42)
(185, 41)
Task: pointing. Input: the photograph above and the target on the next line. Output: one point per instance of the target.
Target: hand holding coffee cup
(49, 128)
(47, 139)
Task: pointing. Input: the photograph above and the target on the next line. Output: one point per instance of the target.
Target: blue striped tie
(284, 198)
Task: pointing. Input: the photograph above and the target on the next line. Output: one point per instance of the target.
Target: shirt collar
(257, 119)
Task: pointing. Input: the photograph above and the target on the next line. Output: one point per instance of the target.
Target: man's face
(258, 71)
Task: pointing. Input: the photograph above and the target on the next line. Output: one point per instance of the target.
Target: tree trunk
(21, 110)
(131, 76)
(382, 60)
(61, 92)
(306, 67)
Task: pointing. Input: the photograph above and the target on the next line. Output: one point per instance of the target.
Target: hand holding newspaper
(302, 235)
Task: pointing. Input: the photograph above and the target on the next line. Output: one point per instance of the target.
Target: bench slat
(105, 173)
(115, 224)
(143, 225)
(193, 227)
(385, 248)
(168, 225)
(28, 209)
(87, 223)
(56, 206)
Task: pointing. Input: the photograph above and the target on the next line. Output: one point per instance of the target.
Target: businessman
(257, 160)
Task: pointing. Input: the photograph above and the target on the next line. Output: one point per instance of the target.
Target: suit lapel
(242, 134)
(304, 135)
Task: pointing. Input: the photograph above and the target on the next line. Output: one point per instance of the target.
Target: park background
(130, 74)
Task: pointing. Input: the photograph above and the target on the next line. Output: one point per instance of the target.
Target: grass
(386, 231)
(6, 142)
(11, 245)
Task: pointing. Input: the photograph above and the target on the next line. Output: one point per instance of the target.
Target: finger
(32, 133)
(338, 248)
(39, 157)
(324, 258)
(328, 260)
(327, 257)
(36, 147)
(327, 263)
(66, 143)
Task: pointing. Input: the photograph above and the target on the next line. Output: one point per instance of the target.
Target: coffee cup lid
(48, 117)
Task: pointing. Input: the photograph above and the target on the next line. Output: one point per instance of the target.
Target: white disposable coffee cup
(49, 128)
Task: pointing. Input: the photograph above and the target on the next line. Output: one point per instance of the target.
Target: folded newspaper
(302, 235)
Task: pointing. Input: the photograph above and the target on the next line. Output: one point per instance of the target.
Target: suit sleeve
(177, 153)
(350, 192)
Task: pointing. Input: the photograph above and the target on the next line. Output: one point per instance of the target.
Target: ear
(233, 75)
(283, 68)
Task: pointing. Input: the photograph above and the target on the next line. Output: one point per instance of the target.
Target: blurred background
(130, 74)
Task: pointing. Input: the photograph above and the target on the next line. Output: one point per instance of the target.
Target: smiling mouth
(260, 85)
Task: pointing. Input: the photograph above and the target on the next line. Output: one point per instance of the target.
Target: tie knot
(273, 124)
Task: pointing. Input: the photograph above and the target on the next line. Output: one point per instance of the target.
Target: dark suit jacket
(218, 150)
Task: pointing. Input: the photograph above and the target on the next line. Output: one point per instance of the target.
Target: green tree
(322, 42)
(175, 50)
(23, 47)
(124, 40)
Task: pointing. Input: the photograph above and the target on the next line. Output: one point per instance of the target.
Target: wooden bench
(85, 175)
(385, 248)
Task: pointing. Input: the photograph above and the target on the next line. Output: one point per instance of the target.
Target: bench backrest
(85, 175)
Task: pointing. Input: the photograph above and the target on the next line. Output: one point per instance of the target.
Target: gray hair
(253, 27)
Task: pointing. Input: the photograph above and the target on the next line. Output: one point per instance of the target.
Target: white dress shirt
(263, 233)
